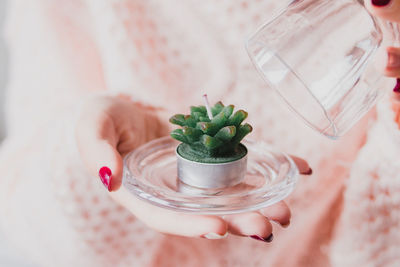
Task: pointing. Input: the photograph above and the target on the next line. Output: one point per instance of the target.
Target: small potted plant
(211, 155)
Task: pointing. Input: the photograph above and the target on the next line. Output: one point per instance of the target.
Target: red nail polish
(309, 172)
(105, 177)
(396, 89)
(380, 2)
(268, 239)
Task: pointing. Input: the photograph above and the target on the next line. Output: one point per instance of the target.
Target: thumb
(97, 141)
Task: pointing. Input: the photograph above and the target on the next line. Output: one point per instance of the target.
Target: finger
(385, 9)
(279, 213)
(302, 165)
(169, 222)
(251, 224)
(393, 62)
(96, 139)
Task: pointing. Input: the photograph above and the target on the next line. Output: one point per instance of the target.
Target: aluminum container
(211, 175)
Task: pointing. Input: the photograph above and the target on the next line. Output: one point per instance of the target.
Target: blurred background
(9, 256)
(3, 68)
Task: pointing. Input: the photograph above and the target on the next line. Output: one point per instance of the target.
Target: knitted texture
(163, 52)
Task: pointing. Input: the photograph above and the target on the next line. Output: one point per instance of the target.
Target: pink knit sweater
(162, 52)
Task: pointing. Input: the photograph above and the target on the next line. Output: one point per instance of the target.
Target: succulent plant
(217, 137)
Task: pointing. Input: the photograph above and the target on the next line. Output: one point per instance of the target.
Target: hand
(388, 10)
(110, 127)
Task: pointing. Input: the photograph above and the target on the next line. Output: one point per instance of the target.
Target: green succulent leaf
(237, 118)
(178, 119)
(228, 110)
(241, 132)
(199, 109)
(204, 119)
(208, 127)
(179, 135)
(210, 142)
(226, 133)
(197, 115)
(216, 109)
(192, 134)
(190, 121)
(220, 120)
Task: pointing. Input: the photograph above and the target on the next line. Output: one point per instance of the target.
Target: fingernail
(285, 225)
(105, 177)
(268, 239)
(396, 89)
(393, 60)
(380, 2)
(215, 236)
(308, 172)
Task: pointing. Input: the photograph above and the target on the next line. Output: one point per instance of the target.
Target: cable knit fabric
(162, 52)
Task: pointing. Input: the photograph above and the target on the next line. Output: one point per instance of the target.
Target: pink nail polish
(105, 175)
(380, 3)
(396, 89)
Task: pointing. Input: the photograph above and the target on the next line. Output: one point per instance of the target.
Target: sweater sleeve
(368, 229)
(54, 60)
(48, 201)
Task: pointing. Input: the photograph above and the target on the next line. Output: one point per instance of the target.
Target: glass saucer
(150, 173)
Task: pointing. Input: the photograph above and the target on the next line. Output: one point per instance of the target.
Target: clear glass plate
(150, 173)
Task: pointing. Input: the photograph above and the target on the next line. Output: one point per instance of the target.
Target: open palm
(110, 127)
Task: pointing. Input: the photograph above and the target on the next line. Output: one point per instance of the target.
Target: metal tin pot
(211, 175)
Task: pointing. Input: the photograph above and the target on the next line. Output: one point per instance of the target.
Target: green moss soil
(194, 154)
